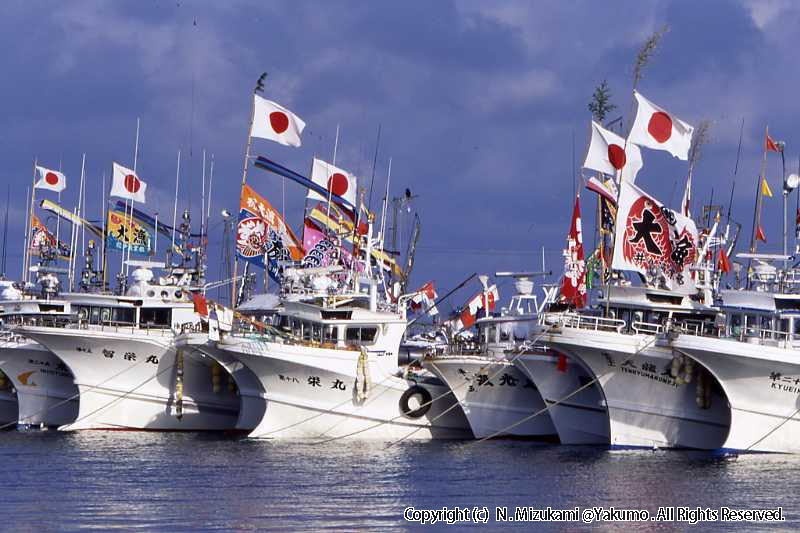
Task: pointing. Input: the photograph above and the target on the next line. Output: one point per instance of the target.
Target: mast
(175, 209)
(5, 232)
(259, 88)
(27, 255)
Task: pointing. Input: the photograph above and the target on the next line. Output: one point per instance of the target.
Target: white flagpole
(83, 204)
(175, 206)
(210, 181)
(27, 259)
(203, 200)
(27, 232)
(80, 210)
(135, 161)
(73, 240)
(244, 180)
(155, 244)
(103, 217)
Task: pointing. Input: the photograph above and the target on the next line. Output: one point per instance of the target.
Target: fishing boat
(332, 367)
(652, 398)
(45, 391)
(497, 398)
(120, 351)
(752, 351)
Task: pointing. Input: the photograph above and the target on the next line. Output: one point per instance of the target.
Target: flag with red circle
(424, 300)
(276, 123)
(333, 179)
(657, 242)
(127, 184)
(50, 180)
(609, 154)
(658, 129)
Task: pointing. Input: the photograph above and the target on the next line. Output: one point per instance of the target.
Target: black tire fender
(425, 402)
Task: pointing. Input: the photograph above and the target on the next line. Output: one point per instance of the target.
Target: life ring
(425, 402)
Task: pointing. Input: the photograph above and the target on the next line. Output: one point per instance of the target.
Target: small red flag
(723, 263)
(760, 234)
(561, 366)
(200, 305)
(771, 145)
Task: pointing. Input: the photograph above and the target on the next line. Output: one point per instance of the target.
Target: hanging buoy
(363, 383)
(675, 369)
(688, 369)
(216, 377)
(424, 402)
(179, 385)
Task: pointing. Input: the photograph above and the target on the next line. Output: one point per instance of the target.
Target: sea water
(189, 482)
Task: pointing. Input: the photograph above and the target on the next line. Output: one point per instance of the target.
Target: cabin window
(306, 329)
(123, 315)
(316, 332)
(736, 324)
(505, 332)
(491, 335)
(329, 333)
(94, 315)
(155, 317)
(796, 326)
(361, 335)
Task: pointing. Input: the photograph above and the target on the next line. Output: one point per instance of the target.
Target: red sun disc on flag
(660, 126)
(338, 184)
(616, 155)
(279, 121)
(132, 184)
(51, 178)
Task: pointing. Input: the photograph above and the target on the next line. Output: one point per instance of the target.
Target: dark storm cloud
(478, 102)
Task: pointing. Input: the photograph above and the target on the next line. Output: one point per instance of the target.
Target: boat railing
(647, 328)
(749, 334)
(588, 322)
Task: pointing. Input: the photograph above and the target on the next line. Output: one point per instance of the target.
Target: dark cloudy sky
(479, 103)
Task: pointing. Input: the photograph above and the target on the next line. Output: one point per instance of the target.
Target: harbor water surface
(183, 482)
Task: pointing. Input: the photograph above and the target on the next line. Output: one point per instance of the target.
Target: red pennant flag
(200, 304)
(760, 234)
(561, 366)
(573, 285)
(723, 263)
(771, 145)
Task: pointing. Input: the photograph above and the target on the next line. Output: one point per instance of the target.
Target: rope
(768, 433)
(448, 392)
(74, 396)
(565, 398)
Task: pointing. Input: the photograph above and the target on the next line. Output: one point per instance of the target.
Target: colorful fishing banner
(70, 217)
(262, 233)
(342, 225)
(653, 240)
(573, 285)
(124, 231)
(42, 238)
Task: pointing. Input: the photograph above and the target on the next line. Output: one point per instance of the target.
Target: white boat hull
(8, 407)
(646, 406)
(762, 384)
(497, 399)
(580, 418)
(46, 391)
(127, 380)
(252, 399)
(310, 395)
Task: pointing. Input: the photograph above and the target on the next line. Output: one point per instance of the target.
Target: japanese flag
(335, 180)
(50, 180)
(276, 123)
(658, 129)
(126, 184)
(608, 154)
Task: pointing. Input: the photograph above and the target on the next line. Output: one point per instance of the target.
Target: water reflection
(189, 481)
